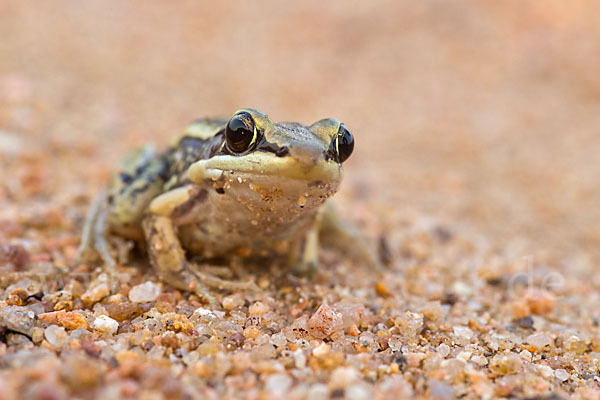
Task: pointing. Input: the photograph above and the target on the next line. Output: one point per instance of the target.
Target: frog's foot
(305, 269)
(190, 278)
(168, 259)
(184, 280)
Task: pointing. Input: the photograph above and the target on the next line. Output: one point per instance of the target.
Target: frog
(237, 188)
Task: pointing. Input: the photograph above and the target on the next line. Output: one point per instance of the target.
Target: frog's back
(145, 173)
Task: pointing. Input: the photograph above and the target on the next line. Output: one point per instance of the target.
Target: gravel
(475, 176)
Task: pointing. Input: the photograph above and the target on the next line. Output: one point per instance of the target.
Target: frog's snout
(308, 156)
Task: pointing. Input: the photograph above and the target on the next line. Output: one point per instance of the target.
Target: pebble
(463, 334)
(506, 364)
(443, 350)
(125, 310)
(433, 311)
(546, 371)
(526, 355)
(97, 290)
(145, 292)
(342, 377)
(351, 313)
(278, 385)
(278, 339)
(258, 308)
(321, 350)
(233, 301)
(299, 359)
(318, 391)
(324, 322)
(55, 335)
(359, 392)
(395, 343)
(540, 301)
(575, 343)
(409, 324)
(18, 319)
(479, 360)
(439, 390)
(561, 374)
(539, 340)
(72, 320)
(27, 285)
(105, 324)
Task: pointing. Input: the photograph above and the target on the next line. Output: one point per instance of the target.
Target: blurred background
(483, 115)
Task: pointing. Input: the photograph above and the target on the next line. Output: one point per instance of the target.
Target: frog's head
(293, 160)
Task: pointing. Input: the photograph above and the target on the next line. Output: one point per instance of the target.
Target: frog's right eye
(345, 143)
(240, 132)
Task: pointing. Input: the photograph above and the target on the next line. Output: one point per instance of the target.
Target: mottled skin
(200, 196)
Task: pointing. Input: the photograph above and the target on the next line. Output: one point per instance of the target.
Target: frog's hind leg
(101, 240)
(92, 234)
(94, 239)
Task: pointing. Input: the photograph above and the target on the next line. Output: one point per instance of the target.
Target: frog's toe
(192, 284)
(204, 293)
(223, 284)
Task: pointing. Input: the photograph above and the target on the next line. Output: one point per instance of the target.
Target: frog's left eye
(240, 132)
(345, 143)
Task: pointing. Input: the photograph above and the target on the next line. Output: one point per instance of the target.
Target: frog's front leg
(165, 251)
(304, 257)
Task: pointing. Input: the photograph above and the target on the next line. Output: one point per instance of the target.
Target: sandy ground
(476, 125)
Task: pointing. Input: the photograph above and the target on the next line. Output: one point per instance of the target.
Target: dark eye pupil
(239, 132)
(345, 143)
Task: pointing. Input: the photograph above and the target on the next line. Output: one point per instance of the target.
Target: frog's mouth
(259, 165)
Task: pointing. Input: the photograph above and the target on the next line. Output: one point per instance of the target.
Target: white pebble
(561, 374)
(395, 343)
(299, 359)
(147, 291)
(106, 324)
(342, 377)
(525, 355)
(463, 335)
(545, 371)
(278, 384)
(278, 340)
(463, 332)
(539, 340)
(479, 360)
(443, 350)
(55, 335)
(359, 392)
(318, 391)
(321, 350)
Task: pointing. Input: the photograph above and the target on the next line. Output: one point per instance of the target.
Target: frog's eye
(240, 132)
(345, 143)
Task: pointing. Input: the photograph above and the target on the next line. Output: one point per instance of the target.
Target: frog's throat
(264, 164)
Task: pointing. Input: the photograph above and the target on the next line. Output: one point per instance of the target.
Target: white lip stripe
(264, 164)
